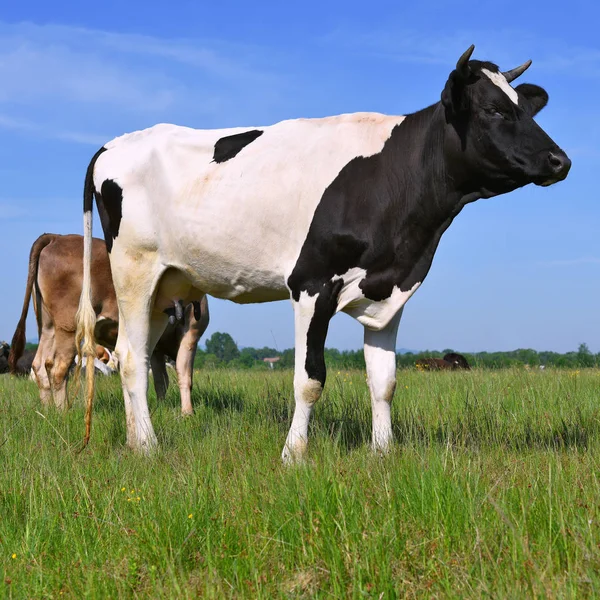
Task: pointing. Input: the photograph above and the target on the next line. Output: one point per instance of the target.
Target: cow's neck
(424, 197)
(423, 179)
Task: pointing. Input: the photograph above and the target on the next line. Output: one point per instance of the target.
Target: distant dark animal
(54, 283)
(338, 214)
(458, 360)
(24, 364)
(451, 361)
(4, 350)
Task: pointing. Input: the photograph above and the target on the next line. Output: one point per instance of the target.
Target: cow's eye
(493, 112)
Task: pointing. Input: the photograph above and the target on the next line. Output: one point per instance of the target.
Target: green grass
(491, 491)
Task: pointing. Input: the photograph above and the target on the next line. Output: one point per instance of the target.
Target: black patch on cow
(317, 330)
(88, 188)
(227, 147)
(110, 208)
(381, 213)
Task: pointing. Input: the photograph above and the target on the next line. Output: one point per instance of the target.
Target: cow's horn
(514, 73)
(463, 61)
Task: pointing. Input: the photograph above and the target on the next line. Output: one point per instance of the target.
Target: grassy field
(491, 491)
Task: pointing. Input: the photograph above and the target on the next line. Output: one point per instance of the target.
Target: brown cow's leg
(44, 352)
(194, 329)
(185, 374)
(64, 353)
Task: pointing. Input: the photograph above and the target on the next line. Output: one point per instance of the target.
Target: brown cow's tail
(86, 316)
(17, 346)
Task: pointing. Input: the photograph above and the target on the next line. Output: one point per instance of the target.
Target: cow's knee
(59, 384)
(43, 383)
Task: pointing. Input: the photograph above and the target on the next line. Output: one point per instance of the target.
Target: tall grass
(491, 490)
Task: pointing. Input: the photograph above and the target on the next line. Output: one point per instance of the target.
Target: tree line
(222, 351)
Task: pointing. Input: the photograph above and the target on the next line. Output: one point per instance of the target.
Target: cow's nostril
(555, 161)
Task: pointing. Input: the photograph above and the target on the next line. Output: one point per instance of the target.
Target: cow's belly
(229, 261)
(234, 282)
(232, 245)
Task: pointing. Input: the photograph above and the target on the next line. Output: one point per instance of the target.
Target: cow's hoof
(295, 455)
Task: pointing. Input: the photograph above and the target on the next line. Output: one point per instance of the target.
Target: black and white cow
(339, 214)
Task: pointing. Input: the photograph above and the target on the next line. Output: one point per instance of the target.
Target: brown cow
(451, 361)
(54, 283)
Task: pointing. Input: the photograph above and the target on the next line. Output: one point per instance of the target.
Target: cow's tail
(86, 316)
(17, 346)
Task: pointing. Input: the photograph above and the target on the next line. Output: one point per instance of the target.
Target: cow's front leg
(380, 357)
(311, 317)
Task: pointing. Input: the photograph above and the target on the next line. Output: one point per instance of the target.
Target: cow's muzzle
(559, 164)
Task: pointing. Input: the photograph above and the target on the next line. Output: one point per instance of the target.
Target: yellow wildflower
(190, 516)
(14, 556)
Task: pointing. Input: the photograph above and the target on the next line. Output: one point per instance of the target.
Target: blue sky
(521, 270)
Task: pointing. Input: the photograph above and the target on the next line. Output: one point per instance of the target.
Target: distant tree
(200, 358)
(222, 346)
(287, 359)
(584, 356)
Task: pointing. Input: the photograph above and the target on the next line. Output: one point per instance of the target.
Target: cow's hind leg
(196, 322)
(380, 357)
(311, 318)
(64, 353)
(139, 330)
(42, 355)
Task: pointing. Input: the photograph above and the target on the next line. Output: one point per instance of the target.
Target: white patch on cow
(374, 314)
(499, 80)
(351, 291)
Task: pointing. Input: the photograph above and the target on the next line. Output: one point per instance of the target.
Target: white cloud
(572, 262)
(58, 81)
(28, 127)
(137, 72)
(13, 210)
(508, 48)
(32, 70)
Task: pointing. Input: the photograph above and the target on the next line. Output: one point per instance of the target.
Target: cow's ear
(453, 93)
(535, 98)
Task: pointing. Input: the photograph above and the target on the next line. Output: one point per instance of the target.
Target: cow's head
(493, 140)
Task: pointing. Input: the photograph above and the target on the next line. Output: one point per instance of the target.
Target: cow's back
(236, 227)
